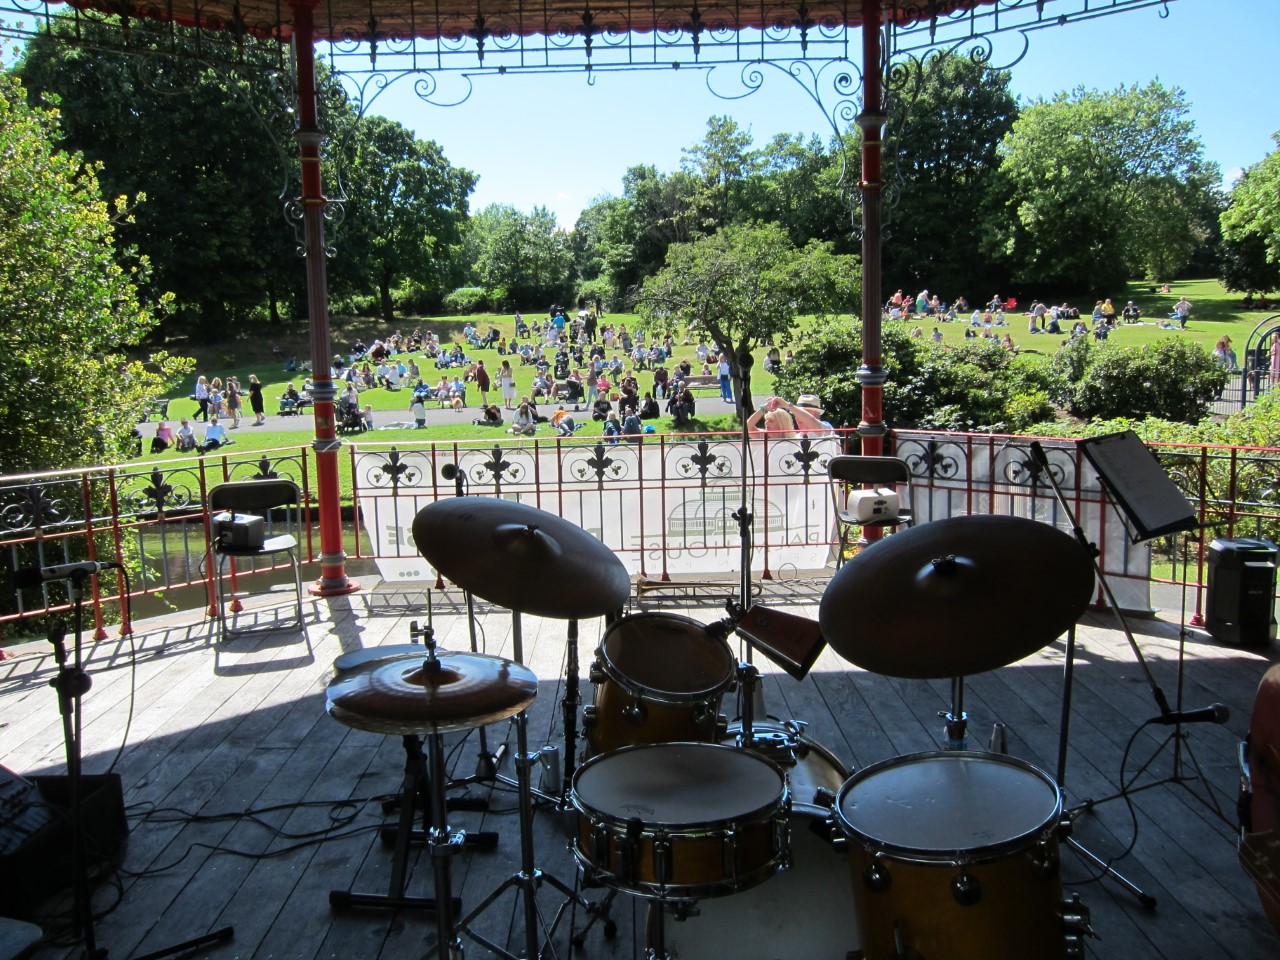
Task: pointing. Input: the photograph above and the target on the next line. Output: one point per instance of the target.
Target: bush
(1174, 380)
(466, 301)
(589, 290)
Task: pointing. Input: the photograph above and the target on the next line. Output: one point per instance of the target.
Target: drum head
(940, 802)
(677, 784)
(667, 654)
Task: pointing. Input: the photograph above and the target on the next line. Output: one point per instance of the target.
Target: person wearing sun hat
(805, 414)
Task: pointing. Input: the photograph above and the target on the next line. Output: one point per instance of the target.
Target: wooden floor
(212, 733)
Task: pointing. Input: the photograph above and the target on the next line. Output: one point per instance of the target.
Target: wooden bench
(701, 382)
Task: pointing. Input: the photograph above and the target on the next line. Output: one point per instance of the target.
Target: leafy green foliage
(743, 286)
(1100, 186)
(941, 159)
(67, 308)
(1173, 379)
(525, 254)
(1251, 227)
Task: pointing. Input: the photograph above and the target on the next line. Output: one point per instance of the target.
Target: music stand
(1153, 506)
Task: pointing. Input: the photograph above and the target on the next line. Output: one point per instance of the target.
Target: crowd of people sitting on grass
(1042, 318)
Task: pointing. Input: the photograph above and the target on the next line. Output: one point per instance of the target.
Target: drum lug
(635, 714)
(782, 835)
(876, 877)
(596, 673)
(1075, 926)
(1045, 861)
(722, 727)
(663, 869)
(966, 890)
(589, 718)
(600, 846)
(704, 716)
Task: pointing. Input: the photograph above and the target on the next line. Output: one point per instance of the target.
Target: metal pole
(333, 575)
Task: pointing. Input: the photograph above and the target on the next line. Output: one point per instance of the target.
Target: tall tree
(721, 165)
(406, 205)
(68, 309)
(745, 285)
(940, 161)
(1251, 226)
(523, 259)
(209, 147)
(1101, 186)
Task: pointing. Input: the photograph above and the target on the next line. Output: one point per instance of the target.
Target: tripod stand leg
(1144, 898)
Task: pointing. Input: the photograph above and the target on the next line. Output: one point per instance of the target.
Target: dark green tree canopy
(1251, 228)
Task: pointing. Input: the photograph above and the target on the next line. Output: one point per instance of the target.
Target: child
(368, 416)
(419, 411)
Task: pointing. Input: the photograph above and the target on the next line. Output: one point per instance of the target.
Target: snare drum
(955, 857)
(680, 821)
(787, 919)
(659, 679)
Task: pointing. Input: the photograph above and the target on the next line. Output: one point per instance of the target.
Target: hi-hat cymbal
(401, 694)
(521, 558)
(956, 597)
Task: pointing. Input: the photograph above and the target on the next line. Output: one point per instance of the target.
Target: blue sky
(559, 142)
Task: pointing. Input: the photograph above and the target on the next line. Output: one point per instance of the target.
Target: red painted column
(333, 574)
(871, 120)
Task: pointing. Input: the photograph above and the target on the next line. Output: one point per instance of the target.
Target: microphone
(34, 576)
(1215, 713)
(451, 471)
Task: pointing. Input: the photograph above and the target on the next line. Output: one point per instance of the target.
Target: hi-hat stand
(72, 683)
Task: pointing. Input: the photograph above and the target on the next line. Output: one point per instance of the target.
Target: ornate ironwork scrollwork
(703, 463)
(928, 460)
(805, 461)
(34, 509)
(597, 464)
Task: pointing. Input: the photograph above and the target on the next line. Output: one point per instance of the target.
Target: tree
(522, 259)
(68, 309)
(209, 147)
(807, 188)
(941, 159)
(406, 206)
(721, 165)
(1251, 227)
(1097, 187)
(745, 285)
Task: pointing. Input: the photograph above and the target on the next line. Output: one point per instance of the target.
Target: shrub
(466, 300)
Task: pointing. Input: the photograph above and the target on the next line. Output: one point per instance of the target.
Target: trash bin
(1242, 590)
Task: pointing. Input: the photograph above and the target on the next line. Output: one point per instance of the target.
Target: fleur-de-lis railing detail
(33, 510)
(803, 460)
(500, 468)
(932, 463)
(265, 471)
(704, 463)
(599, 463)
(158, 492)
(395, 471)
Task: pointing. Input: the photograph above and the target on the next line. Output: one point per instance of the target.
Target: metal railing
(666, 505)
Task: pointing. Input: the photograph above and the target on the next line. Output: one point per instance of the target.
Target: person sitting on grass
(163, 438)
(215, 436)
(523, 424)
(186, 437)
(490, 416)
(612, 428)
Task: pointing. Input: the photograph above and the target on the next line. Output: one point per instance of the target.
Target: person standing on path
(482, 383)
(255, 400)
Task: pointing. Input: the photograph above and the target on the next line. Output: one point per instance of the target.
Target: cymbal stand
(955, 722)
(71, 683)
(1069, 815)
(529, 877)
(569, 706)
(746, 521)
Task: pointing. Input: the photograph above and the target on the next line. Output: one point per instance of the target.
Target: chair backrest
(253, 496)
(853, 469)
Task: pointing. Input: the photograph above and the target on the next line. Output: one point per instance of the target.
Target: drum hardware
(428, 693)
(790, 641)
(955, 727)
(999, 740)
(530, 547)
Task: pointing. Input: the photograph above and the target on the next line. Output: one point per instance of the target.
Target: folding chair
(847, 472)
(255, 498)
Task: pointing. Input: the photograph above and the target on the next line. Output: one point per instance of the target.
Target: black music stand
(1153, 507)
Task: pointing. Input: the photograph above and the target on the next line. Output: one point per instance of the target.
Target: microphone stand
(72, 682)
(747, 690)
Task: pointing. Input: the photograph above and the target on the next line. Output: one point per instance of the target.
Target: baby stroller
(570, 392)
(349, 419)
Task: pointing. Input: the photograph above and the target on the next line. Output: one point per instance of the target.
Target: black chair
(255, 498)
(850, 472)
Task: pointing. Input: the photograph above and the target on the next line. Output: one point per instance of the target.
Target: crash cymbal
(521, 558)
(400, 694)
(956, 597)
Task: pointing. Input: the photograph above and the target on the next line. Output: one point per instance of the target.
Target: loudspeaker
(42, 862)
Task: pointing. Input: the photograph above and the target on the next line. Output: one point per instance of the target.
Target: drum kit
(753, 837)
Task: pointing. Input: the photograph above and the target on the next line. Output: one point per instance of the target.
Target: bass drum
(659, 679)
(799, 914)
(955, 857)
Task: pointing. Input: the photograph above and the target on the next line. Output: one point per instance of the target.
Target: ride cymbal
(956, 597)
(405, 694)
(521, 558)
